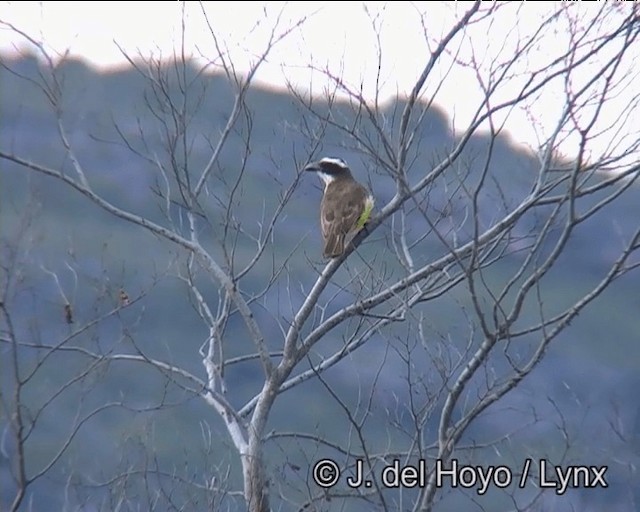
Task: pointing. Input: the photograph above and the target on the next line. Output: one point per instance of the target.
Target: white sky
(337, 35)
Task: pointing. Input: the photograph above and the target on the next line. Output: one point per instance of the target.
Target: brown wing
(340, 214)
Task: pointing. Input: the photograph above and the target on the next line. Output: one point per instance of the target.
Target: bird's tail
(333, 246)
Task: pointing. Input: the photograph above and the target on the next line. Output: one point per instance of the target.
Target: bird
(124, 298)
(68, 313)
(345, 207)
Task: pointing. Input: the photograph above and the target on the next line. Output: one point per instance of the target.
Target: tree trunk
(256, 492)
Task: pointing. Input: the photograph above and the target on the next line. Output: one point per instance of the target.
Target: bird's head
(329, 169)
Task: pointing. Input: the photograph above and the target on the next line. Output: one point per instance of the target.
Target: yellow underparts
(366, 213)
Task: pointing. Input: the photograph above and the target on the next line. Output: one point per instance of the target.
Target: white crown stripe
(332, 160)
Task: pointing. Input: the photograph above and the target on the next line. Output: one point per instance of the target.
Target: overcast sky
(344, 37)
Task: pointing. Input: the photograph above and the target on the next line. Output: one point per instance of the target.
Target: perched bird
(68, 313)
(346, 205)
(124, 298)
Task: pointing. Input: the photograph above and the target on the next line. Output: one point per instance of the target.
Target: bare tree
(455, 235)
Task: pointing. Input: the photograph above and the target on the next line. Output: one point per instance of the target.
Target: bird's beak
(313, 166)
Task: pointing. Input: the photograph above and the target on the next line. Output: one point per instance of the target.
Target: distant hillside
(593, 371)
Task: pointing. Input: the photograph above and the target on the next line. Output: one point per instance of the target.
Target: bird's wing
(352, 209)
(343, 216)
